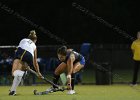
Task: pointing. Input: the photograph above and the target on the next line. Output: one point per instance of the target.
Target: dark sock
(72, 80)
(55, 80)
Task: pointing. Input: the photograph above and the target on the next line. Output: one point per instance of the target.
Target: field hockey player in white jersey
(25, 56)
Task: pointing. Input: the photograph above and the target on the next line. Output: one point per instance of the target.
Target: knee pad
(18, 73)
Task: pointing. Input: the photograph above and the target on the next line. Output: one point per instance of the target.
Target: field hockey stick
(50, 91)
(45, 79)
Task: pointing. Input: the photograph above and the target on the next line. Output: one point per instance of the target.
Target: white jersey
(27, 45)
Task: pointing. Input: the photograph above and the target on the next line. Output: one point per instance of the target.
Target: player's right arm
(70, 68)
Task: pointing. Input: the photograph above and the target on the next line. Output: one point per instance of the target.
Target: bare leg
(17, 73)
(77, 67)
(60, 69)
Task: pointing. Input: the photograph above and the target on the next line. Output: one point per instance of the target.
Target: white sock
(17, 79)
(16, 82)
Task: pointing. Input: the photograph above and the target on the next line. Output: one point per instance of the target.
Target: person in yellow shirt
(136, 57)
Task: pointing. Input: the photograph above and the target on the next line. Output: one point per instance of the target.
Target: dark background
(68, 23)
(74, 27)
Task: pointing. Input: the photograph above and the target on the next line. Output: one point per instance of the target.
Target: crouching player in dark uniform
(71, 62)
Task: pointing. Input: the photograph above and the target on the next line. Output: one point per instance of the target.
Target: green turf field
(84, 92)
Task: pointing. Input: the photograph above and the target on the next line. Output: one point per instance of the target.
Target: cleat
(133, 85)
(71, 92)
(12, 93)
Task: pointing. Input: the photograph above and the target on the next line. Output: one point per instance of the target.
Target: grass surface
(84, 92)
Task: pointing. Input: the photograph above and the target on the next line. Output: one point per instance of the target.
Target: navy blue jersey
(78, 57)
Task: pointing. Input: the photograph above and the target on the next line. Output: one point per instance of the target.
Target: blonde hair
(32, 35)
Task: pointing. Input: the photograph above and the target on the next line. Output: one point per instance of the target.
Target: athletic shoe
(71, 92)
(12, 93)
(133, 85)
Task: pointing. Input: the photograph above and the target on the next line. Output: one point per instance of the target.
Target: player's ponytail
(62, 50)
(32, 35)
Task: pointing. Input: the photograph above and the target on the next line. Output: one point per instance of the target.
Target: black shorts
(24, 55)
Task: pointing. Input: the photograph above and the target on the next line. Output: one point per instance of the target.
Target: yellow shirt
(136, 49)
